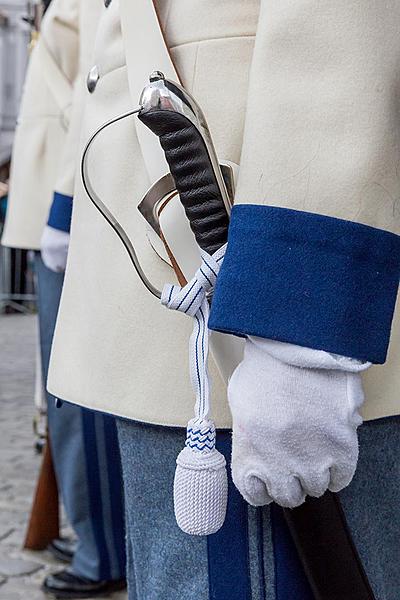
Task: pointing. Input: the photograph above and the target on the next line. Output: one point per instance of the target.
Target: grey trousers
(86, 458)
(252, 557)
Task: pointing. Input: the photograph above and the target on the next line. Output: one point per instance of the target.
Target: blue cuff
(308, 279)
(60, 212)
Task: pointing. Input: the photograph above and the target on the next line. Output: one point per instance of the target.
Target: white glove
(54, 248)
(295, 416)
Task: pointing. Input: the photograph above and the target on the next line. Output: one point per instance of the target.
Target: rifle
(44, 522)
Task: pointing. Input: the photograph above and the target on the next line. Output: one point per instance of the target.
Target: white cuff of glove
(299, 356)
(54, 248)
(295, 416)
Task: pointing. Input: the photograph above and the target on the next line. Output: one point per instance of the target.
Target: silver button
(92, 79)
(107, 3)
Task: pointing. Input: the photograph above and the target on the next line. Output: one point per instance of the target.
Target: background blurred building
(14, 40)
(18, 19)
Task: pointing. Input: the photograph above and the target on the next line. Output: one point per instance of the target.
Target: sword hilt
(184, 137)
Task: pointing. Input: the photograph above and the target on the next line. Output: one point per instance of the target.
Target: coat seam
(213, 39)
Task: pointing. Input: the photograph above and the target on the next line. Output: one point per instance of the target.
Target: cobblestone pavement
(21, 572)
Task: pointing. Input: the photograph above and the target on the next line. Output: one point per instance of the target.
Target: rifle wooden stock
(44, 522)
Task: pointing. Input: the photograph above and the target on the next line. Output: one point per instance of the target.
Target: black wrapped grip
(191, 168)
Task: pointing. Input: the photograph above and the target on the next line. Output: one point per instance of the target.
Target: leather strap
(319, 528)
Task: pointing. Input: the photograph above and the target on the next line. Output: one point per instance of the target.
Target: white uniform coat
(302, 95)
(47, 137)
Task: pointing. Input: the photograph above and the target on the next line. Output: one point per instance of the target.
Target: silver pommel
(156, 76)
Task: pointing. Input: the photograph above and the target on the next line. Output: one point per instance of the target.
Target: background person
(84, 445)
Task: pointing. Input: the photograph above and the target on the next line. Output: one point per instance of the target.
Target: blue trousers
(252, 557)
(86, 459)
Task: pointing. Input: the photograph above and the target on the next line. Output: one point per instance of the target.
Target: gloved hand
(54, 248)
(295, 414)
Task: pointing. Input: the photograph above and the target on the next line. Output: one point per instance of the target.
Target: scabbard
(326, 550)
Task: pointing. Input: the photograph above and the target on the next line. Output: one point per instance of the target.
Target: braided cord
(192, 300)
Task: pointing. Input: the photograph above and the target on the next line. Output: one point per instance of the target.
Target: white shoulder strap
(145, 51)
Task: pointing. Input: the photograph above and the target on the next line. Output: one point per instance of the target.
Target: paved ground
(21, 572)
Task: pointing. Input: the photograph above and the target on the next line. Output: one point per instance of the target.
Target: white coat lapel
(145, 51)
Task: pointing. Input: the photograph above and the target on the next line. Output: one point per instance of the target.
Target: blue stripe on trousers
(95, 495)
(228, 549)
(116, 489)
(290, 580)
(260, 544)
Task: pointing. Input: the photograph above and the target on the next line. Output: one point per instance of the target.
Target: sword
(318, 528)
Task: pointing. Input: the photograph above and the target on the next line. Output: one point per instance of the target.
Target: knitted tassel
(201, 482)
